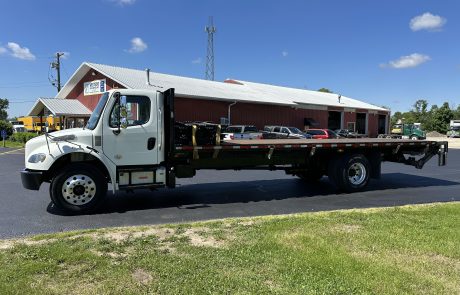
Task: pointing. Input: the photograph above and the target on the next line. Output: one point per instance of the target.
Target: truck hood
(57, 144)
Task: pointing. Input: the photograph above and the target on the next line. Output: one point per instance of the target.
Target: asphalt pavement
(219, 194)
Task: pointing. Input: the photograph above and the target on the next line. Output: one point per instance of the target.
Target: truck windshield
(92, 122)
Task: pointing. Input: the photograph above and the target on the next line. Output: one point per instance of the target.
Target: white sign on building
(94, 87)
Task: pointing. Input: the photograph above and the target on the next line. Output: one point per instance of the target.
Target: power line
(65, 71)
(25, 101)
(24, 86)
(22, 83)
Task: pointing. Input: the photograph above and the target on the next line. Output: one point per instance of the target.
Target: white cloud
(427, 21)
(197, 60)
(2, 50)
(407, 61)
(284, 53)
(20, 52)
(137, 45)
(123, 2)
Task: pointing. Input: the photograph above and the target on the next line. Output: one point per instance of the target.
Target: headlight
(35, 158)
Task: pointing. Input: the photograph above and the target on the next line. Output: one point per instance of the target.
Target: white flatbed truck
(130, 143)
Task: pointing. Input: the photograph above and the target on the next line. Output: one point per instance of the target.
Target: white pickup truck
(241, 132)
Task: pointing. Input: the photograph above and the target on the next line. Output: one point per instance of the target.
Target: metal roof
(241, 91)
(60, 107)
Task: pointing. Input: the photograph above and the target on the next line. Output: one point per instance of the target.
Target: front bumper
(31, 179)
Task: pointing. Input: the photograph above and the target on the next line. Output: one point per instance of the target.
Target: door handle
(161, 128)
(151, 143)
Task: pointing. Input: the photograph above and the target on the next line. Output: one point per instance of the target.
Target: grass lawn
(11, 144)
(410, 249)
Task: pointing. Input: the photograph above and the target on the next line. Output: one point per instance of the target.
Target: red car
(321, 133)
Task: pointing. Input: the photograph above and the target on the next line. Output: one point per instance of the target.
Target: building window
(351, 126)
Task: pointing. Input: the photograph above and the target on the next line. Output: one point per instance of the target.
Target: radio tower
(210, 29)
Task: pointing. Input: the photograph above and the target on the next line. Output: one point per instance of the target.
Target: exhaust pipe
(147, 71)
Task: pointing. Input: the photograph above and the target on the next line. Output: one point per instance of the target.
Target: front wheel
(79, 188)
(414, 137)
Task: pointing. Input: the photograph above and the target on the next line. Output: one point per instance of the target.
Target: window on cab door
(138, 109)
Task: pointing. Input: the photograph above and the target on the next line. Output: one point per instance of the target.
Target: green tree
(396, 116)
(4, 103)
(420, 112)
(441, 117)
(5, 125)
(457, 113)
(325, 90)
(408, 117)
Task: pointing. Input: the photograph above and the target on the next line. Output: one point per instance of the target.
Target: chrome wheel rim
(78, 189)
(357, 173)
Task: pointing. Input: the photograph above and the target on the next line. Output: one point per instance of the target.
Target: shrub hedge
(5, 125)
(22, 136)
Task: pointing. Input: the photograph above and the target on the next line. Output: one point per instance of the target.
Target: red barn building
(239, 101)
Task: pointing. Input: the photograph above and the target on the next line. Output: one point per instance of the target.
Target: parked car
(241, 132)
(271, 132)
(322, 133)
(348, 133)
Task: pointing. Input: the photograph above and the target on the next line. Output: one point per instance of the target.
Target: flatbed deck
(309, 143)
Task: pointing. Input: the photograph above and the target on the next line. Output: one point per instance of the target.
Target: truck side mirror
(123, 112)
(117, 113)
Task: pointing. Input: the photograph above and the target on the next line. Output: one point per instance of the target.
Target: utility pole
(57, 65)
(210, 29)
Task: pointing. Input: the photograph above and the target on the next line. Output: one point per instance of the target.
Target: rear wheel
(350, 173)
(79, 188)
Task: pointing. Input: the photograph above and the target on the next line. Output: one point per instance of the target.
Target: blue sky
(388, 53)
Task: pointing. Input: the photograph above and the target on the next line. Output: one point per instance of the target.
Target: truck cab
(411, 131)
(122, 144)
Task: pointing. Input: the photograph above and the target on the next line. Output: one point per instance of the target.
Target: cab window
(138, 108)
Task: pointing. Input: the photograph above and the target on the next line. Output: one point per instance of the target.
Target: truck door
(140, 142)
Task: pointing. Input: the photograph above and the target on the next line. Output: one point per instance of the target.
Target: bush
(22, 137)
(4, 125)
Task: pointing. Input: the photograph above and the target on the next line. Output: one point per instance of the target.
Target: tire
(80, 188)
(414, 137)
(352, 173)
